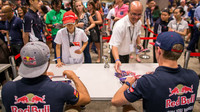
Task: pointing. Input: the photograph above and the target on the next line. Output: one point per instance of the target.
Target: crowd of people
(41, 21)
(33, 28)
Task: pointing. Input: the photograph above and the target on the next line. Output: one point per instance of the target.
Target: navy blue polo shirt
(33, 25)
(148, 15)
(167, 89)
(39, 93)
(14, 27)
(161, 26)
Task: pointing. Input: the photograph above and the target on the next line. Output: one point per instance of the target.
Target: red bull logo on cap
(29, 60)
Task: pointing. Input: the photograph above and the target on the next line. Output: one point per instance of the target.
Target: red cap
(69, 17)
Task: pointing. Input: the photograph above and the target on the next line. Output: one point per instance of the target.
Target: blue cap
(167, 40)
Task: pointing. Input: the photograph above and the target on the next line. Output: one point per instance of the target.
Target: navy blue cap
(167, 40)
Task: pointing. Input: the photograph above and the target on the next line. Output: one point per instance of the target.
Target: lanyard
(177, 25)
(130, 34)
(69, 36)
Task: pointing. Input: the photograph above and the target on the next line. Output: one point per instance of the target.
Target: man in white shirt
(71, 39)
(126, 35)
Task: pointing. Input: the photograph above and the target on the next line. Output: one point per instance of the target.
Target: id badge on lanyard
(131, 38)
(131, 47)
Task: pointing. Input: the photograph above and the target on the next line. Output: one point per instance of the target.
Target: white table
(4, 68)
(101, 82)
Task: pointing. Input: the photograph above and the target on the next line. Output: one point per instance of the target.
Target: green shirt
(54, 17)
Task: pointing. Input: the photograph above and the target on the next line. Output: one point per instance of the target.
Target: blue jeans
(87, 57)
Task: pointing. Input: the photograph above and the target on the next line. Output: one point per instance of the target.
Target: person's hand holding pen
(69, 74)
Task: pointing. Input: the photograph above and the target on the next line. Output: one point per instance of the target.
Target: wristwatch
(128, 84)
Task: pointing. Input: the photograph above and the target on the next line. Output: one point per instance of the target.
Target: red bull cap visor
(35, 56)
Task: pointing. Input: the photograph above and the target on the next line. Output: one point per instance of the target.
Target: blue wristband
(128, 84)
(117, 60)
(58, 58)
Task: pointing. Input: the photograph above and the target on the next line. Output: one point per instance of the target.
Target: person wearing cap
(72, 39)
(126, 35)
(36, 91)
(170, 87)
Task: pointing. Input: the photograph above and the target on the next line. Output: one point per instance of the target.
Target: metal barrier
(13, 66)
(187, 57)
(145, 56)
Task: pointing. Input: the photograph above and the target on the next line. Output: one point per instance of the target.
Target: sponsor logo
(76, 93)
(180, 90)
(131, 89)
(158, 43)
(29, 60)
(54, 17)
(46, 108)
(182, 100)
(29, 99)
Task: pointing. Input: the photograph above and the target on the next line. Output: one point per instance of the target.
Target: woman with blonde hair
(98, 21)
(86, 23)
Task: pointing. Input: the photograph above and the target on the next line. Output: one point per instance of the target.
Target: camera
(71, 44)
(112, 17)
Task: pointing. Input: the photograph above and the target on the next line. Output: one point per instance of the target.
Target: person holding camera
(71, 39)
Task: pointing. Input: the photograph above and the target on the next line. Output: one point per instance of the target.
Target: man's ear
(159, 50)
(31, 1)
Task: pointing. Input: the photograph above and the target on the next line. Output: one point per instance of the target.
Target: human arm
(183, 33)
(116, 19)
(148, 24)
(8, 39)
(25, 37)
(99, 18)
(84, 97)
(116, 57)
(147, 17)
(79, 51)
(138, 42)
(156, 28)
(119, 98)
(92, 24)
(109, 29)
(59, 63)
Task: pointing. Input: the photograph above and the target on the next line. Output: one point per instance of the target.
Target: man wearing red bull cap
(169, 88)
(36, 92)
(71, 39)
